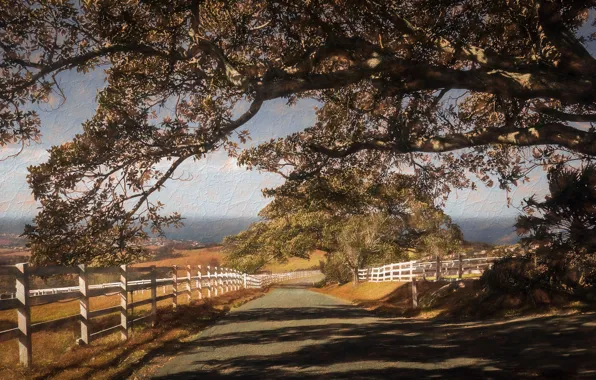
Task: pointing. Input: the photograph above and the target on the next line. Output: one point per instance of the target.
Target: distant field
(204, 256)
(297, 263)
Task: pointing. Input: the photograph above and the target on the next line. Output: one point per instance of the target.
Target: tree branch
(548, 134)
(566, 116)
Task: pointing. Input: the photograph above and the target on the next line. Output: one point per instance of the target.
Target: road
(293, 333)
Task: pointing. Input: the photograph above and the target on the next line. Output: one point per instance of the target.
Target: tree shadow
(342, 341)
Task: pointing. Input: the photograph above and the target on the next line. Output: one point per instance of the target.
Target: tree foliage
(436, 87)
(563, 226)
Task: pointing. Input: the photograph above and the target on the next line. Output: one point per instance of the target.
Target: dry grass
(204, 256)
(55, 356)
(456, 300)
(296, 263)
(364, 291)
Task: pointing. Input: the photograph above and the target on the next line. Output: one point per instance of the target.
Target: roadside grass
(364, 291)
(296, 263)
(56, 356)
(450, 300)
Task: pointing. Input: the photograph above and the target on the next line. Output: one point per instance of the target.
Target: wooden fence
(212, 283)
(406, 271)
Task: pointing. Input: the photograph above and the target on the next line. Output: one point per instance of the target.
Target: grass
(204, 256)
(364, 291)
(296, 263)
(56, 356)
(455, 300)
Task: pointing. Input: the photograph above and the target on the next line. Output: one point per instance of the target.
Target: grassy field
(297, 263)
(204, 256)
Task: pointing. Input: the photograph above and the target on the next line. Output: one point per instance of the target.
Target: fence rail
(211, 283)
(406, 271)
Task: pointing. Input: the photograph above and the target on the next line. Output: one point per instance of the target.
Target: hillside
(296, 263)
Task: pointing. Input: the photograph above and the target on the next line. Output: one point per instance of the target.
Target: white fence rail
(194, 283)
(406, 271)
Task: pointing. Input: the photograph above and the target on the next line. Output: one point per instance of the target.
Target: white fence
(406, 271)
(211, 283)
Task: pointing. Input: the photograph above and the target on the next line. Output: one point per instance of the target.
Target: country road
(293, 333)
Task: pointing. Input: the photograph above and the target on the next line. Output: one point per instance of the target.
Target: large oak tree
(437, 87)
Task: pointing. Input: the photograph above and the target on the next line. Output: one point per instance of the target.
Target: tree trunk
(355, 276)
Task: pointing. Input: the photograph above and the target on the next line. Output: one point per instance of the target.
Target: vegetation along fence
(409, 270)
(212, 283)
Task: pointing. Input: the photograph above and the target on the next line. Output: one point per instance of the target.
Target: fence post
(414, 294)
(216, 290)
(411, 270)
(244, 279)
(188, 283)
(84, 303)
(200, 283)
(153, 296)
(24, 315)
(175, 286)
(460, 270)
(124, 302)
(208, 281)
(438, 272)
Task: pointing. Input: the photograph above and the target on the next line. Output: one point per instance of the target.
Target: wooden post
(411, 270)
(124, 302)
(438, 272)
(244, 279)
(175, 286)
(84, 303)
(414, 294)
(188, 283)
(208, 281)
(226, 279)
(24, 315)
(200, 283)
(216, 290)
(460, 268)
(153, 296)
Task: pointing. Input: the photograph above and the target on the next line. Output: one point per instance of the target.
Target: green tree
(470, 83)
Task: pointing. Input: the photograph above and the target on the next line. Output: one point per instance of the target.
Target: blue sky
(217, 187)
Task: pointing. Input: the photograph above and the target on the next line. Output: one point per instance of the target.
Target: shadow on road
(345, 342)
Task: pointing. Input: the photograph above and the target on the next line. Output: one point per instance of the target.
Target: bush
(515, 275)
(335, 269)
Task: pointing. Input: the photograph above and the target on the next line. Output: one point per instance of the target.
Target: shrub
(335, 269)
(515, 275)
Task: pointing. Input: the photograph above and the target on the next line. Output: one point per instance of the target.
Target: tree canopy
(436, 87)
(563, 226)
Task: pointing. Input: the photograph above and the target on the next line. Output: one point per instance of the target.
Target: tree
(563, 226)
(442, 237)
(363, 237)
(386, 72)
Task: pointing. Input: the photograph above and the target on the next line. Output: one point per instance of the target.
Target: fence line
(406, 271)
(216, 281)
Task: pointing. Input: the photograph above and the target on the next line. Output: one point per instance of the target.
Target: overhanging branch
(548, 134)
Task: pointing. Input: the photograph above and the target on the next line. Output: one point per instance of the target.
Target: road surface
(293, 333)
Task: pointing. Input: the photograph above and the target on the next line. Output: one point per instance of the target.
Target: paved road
(293, 333)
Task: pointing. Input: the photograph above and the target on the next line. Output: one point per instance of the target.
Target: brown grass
(296, 263)
(456, 300)
(202, 256)
(56, 356)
